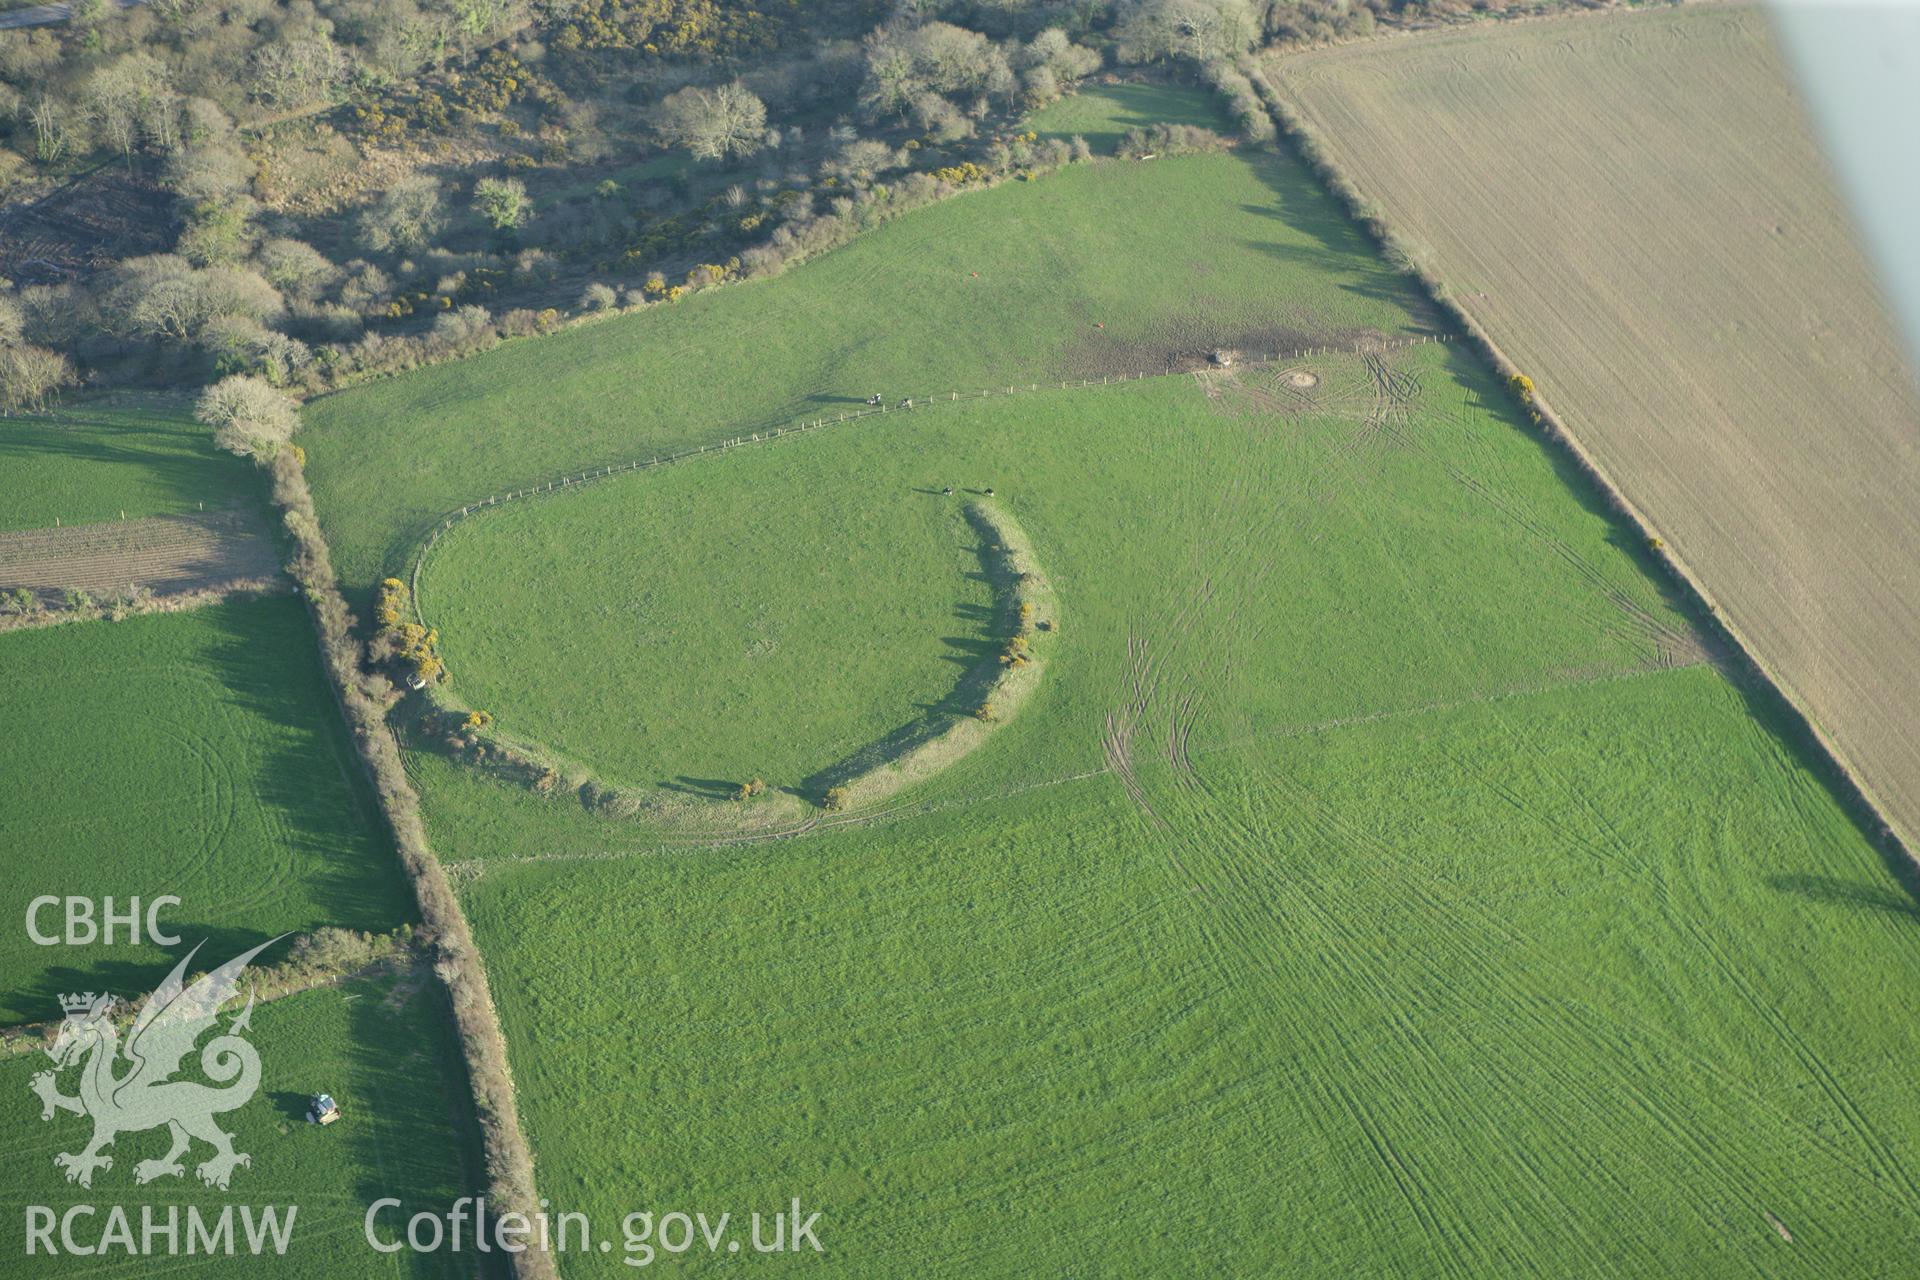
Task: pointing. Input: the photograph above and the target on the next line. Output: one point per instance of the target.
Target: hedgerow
(457, 962)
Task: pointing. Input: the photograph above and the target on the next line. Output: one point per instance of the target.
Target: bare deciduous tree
(29, 375)
(291, 73)
(121, 95)
(406, 216)
(57, 128)
(248, 416)
(1153, 30)
(715, 123)
(295, 268)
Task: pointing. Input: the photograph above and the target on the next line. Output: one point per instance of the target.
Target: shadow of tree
(1842, 893)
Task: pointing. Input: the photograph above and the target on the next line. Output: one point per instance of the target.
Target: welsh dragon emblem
(127, 1088)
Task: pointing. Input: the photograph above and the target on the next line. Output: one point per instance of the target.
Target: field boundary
(141, 606)
(368, 956)
(1851, 787)
(1030, 620)
(457, 962)
(1027, 619)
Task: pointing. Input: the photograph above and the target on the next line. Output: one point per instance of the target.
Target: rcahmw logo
(85, 1231)
(128, 1088)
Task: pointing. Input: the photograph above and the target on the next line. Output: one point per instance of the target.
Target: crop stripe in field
(1439, 977)
(1878, 1150)
(1391, 1160)
(1668, 641)
(1871, 1139)
(1240, 910)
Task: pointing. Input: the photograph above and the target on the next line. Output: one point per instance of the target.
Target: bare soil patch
(1192, 351)
(165, 554)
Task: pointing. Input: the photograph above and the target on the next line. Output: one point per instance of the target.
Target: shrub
(502, 202)
(599, 297)
(391, 605)
(414, 646)
(519, 323)
(337, 951)
(296, 269)
(836, 799)
(460, 332)
(1168, 140)
(962, 174)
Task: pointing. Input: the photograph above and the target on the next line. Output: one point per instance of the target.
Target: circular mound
(698, 626)
(1301, 380)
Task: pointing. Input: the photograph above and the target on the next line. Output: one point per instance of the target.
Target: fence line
(908, 404)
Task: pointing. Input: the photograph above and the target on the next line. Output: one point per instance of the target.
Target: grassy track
(144, 455)
(1666, 257)
(901, 311)
(382, 1050)
(196, 754)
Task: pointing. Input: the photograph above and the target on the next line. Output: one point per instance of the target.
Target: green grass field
(814, 627)
(200, 755)
(760, 612)
(197, 754)
(900, 311)
(1102, 115)
(142, 455)
(1383, 880)
(382, 1047)
(1353, 1009)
